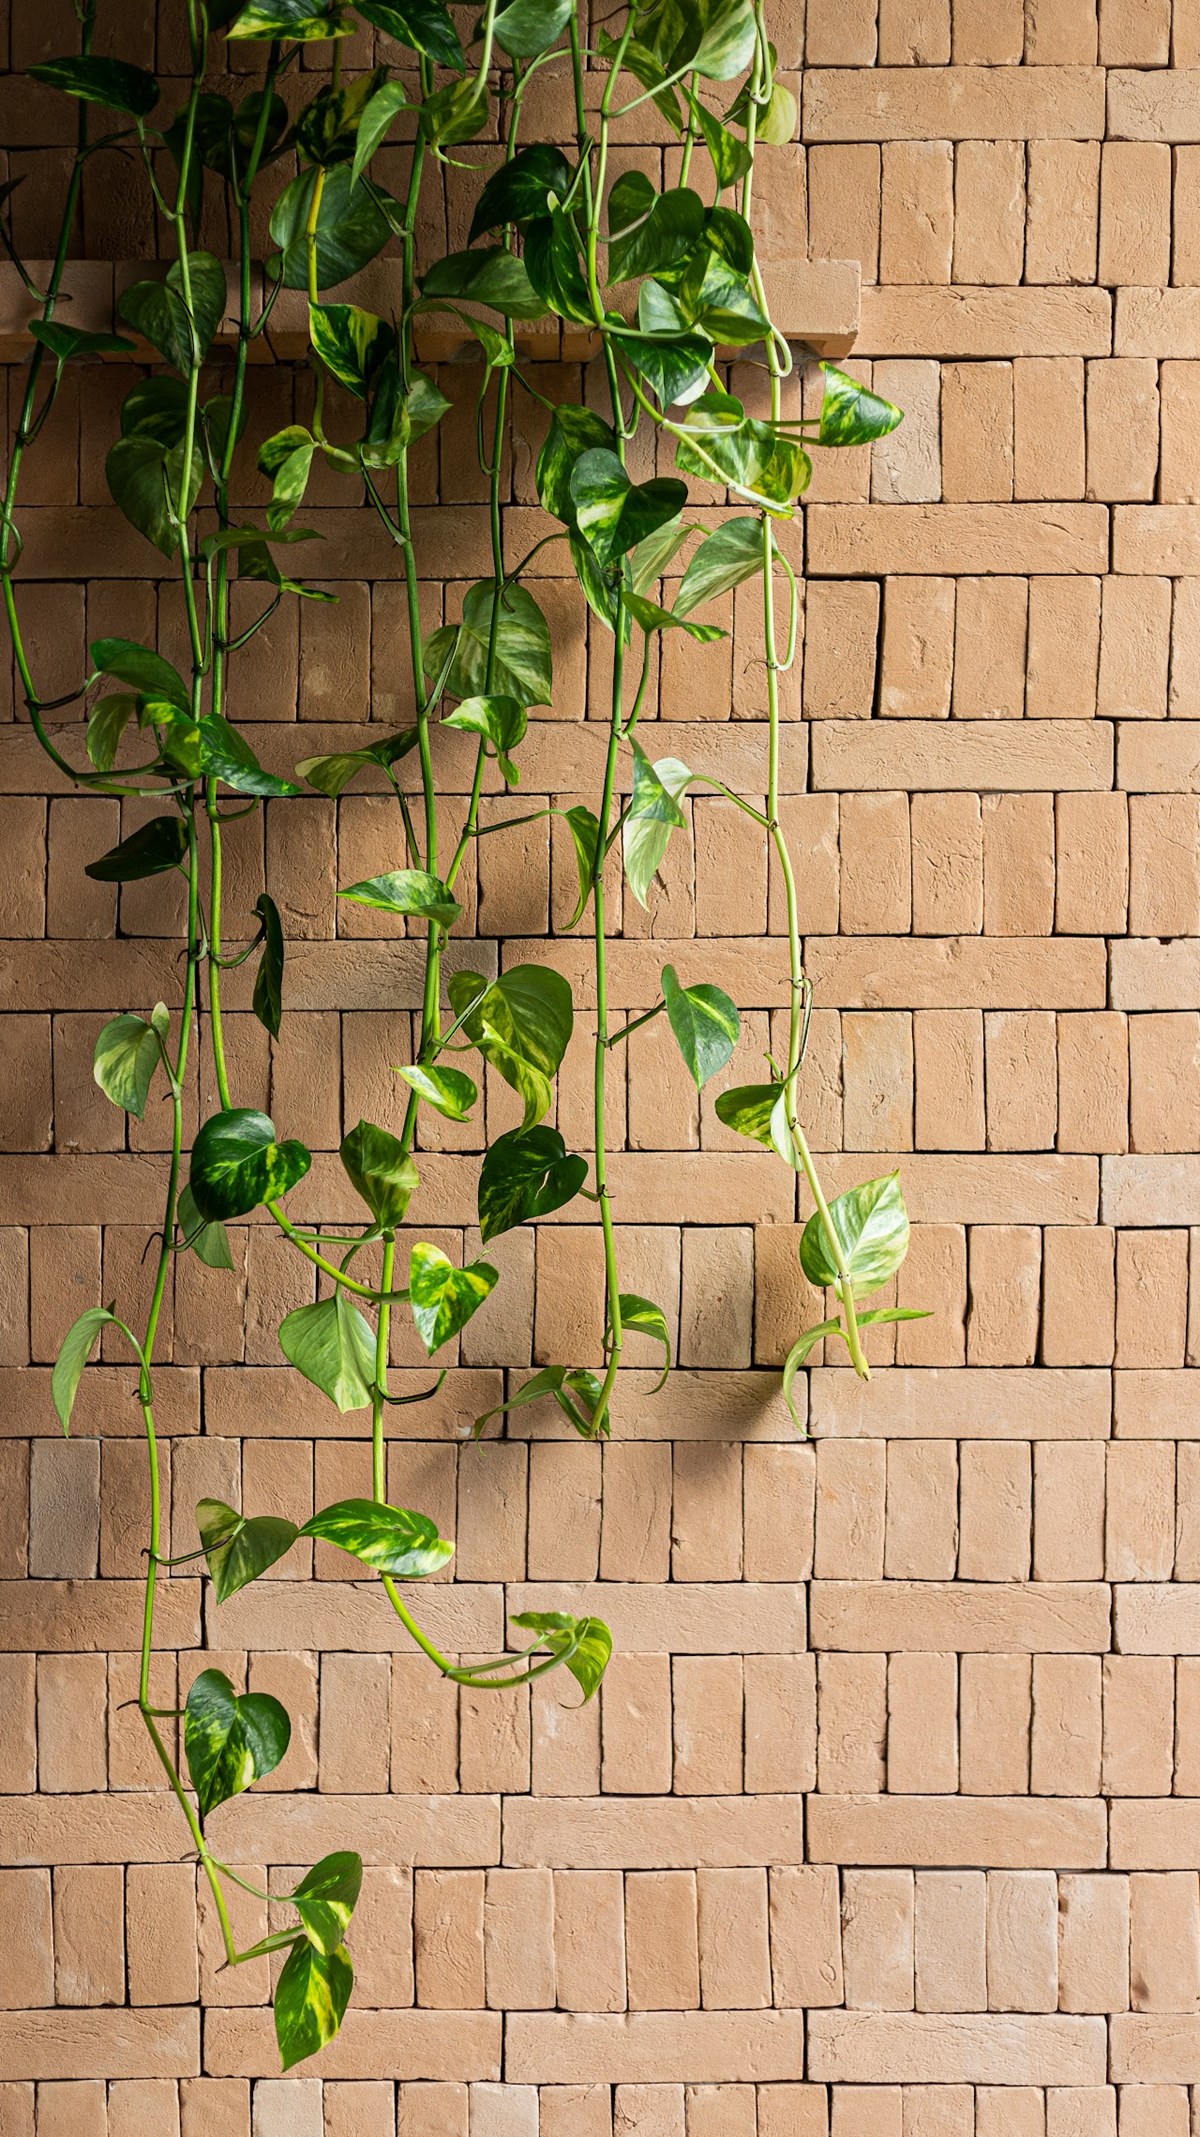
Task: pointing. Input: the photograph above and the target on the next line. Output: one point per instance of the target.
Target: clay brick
(917, 212)
(852, 1715)
(1069, 1510)
(917, 660)
(922, 1510)
(1164, 886)
(996, 1511)
(989, 654)
(1164, 1943)
(1135, 224)
(1139, 1724)
(844, 201)
(1004, 1294)
(877, 1939)
(906, 465)
(977, 432)
(841, 630)
(1065, 1745)
(922, 1738)
(661, 1933)
(1135, 634)
(1122, 426)
(989, 207)
(1078, 1297)
(1049, 453)
(1063, 611)
(1022, 1941)
(1018, 864)
(947, 864)
(876, 863)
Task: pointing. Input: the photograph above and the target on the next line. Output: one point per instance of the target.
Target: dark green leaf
(268, 980)
(526, 1174)
(350, 342)
(443, 1297)
(458, 112)
(144, 671)
(330, 774)
(237, 1163)
(351, 227)
(747, 1109)
(851, 414)
(871, 1224)
(705, 1023)
(650, 232)
(489, 275)
(730, 157)
(389, 1539)
(381, 1171)
(521, 1025)
(311, 1995)
(719, 298)
(583, 1645)
(423, 25)
(238, 1549)
(226, 755)
(150, 851)
(326, 131)
(526, 27)
(502, 720)
(654, 812)
(552, 264)
(101, 81)
(521, 189)
(449, 1091)
(332, 1345)
(613, 513)
(727, 446)
(288, 458)
(209, 1242)
(179, 321)
(145, 479)
(573, 431)
(127, 1052)
(65, 342)
(327, 1896)
(301, 21)
(155, 408)
(648, 1320)
(77, 1346)
(521, 662)
(407, 890)
(230, 1742)
(585, 830)
(400, 414)
(384, 107)
(724, 559)
(673, 366)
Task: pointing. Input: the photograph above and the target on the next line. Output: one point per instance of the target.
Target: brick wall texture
(887, 1821)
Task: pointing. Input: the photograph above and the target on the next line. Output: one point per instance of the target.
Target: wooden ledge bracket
(816, 302)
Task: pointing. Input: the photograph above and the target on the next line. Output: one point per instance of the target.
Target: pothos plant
(663, 281)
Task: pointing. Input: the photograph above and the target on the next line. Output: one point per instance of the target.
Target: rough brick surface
(887, 1821)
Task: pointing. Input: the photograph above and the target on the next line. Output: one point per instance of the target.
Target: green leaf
(126, 1054)
(237, 1163)
(673, 366)
(145, 481)
(526, 1174)
(653, 618)
(871, 1223)
(444, 1298)
(301, 21)
(111, 82)
(330, 774)
(730, 157)
(798, 1356)
(521, 189)
(552, 263)
(705, 1023)
(654, 812)
(400, 414)
(585, 831)
(489, 275)
(388, 101)
(149, 851)
(77, 1346)
(268, 980)
(564, 1383)
(650, 559)
(226, 755)
(351, 227)
(573, 432)
(423, 25)
(449, 1091)
(583, 1645)
(351, 343)
(288, 458)
(238, 1549)
(146, 672)
(650, 232)
(715, 38)
(527, 27)
(107, 721)
(725, 445)
(332, 1345)
(612, 513)
(851, 414)
(747, 1109)
(230, 1742)
(209, 1242)
(719, 298)
(648, 1320)
(458, 112)
(327, 1896)
(781, 119)
(521, 1024)
(501, 720)
(381, 1171)
(178, 322)
(724, 559)
(311, 1996)
(407, 890)
(522, 665)
(65, 342)
(389, 1539)
(645, 68)
(326, 131)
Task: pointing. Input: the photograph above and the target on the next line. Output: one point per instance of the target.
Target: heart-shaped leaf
(520, 189)
(381, 1170)
(673, 366)
(304, 21)
(526, 28)
(237, 1163)
(526, 1174)
(583, 1645)
(77, 1347)
(389, 1539)
(327, 1896)
(724, 559)
(127, 1052)
(521, 1025)
(311, 1996)
(209, 1242)
(444, 1297)
(647, 1319)
(149, 851)
(226, 755)
(851, 414)
(519, 660)
(239, 1548)
(424, 25)
(485, 275)
(407, 890)
(146, 480)
(654, 812)
(573, 432)
(384, 106)
(449, 1091)
(230, 1742)
(650, 232)
(585, 830)
(144, 671)
(747, 1109)
(871, 1223)
(64, 342)
(330, 774)
(179, 317)
(351, 343)
(351, 226)
(613, 513)
(334, 1347)
(94, 80)
(705, 1023)
(501, 720)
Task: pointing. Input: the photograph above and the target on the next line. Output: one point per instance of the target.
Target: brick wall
(886, 1823)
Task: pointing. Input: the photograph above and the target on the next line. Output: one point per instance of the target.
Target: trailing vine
(663, 283)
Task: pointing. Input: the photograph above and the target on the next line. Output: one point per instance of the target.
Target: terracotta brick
(918, 636)
(917, 212)
(661, 1936)
(1004, 1293)
(1135, 193)
(991, 629)
(1063, 611)
(1135, 632)
(1061, 240)
(877, 1939)
(842, 622)
(1078, 1297)
(1122, 420)
(977, 432)
(922, 1737)
(1065, 1745)
(1049, 450)
(1139, 1724)
(852, 1716)
(989, 205)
